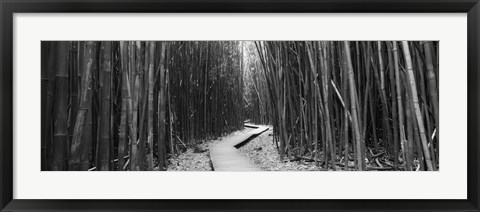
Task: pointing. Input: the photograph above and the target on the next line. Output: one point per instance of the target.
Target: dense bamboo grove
(353, 105)
(257, 102)
(129, 105)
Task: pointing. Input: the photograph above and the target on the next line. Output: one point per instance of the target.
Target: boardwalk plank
(226, 157)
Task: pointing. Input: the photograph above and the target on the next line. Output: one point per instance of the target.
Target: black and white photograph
(240, 105)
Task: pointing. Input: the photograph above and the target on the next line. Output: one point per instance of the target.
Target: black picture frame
(9, 7)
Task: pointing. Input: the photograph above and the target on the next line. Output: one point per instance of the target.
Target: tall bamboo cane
(414, 96)
(354, 105)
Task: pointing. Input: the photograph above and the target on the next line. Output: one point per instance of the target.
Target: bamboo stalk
(161, 109)
(414, 96)
(77, 149)
(60, 133)
(358, 141)
(103, 146)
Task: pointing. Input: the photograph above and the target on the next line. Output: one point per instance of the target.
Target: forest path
(226, 157)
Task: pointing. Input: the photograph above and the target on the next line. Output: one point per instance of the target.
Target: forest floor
(198, 158)
(261, 150)
(263, 153)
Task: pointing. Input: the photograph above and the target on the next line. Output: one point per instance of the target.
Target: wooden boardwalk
(226, 157)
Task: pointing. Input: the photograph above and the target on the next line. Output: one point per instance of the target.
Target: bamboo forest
(240, 106)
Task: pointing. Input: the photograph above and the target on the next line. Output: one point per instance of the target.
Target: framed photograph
(239, 105)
